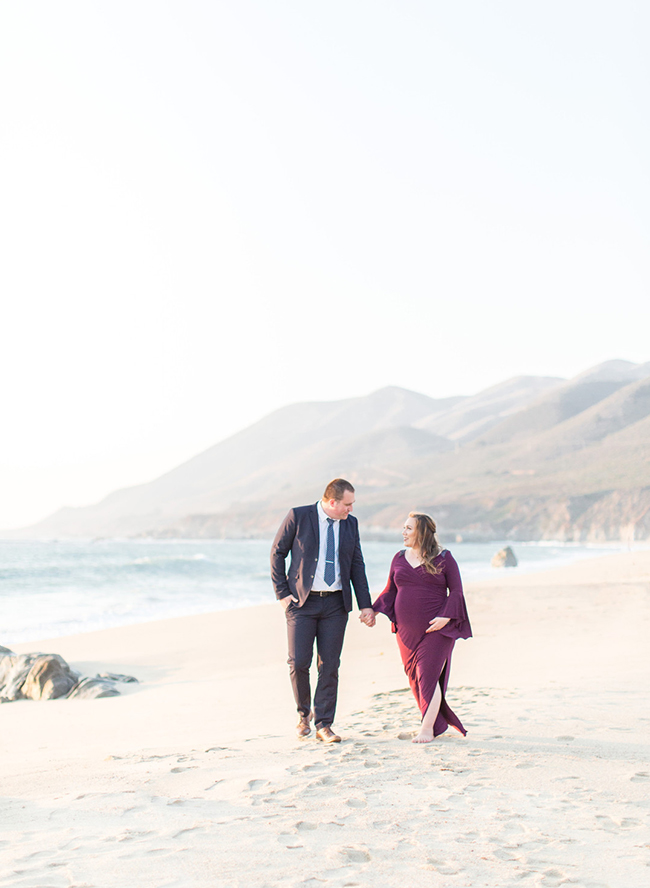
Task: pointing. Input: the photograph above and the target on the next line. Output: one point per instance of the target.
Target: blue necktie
(330, 567)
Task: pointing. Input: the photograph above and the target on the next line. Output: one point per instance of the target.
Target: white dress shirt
(319, 584)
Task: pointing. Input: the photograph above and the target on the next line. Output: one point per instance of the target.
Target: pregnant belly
(415, 611)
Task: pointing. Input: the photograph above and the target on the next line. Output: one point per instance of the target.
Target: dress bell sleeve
(454, 609)
(385, 603)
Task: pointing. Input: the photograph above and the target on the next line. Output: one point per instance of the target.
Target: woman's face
(409, 531)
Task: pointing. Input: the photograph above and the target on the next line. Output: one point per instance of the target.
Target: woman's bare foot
(425, 736)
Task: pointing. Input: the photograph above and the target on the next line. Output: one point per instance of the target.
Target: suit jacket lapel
(313, 514)
(343, 536)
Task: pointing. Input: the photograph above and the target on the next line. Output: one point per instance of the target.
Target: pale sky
(211, 209)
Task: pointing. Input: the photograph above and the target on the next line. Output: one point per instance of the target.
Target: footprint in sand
(301, 768)
(325, 781)
(356, 803)
(290, 844)
(444, 867)
(355, 855)
(131, 834)
(306, 826)
(351, 754)
(505, 854)
(552, 878)
(342, 876)
(640, 777)
(468, 838)
(255, 784)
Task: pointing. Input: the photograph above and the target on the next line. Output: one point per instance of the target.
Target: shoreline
(473, 571)
(195, 775)
(206, 648)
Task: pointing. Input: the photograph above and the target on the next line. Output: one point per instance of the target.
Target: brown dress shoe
(327, 735)
(303, 729)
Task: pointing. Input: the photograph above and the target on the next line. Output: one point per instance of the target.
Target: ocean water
(49, 589)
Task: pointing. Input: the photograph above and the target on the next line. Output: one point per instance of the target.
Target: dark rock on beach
(504, 558)
(91, 688)
(14, 669)
(40, 676)
(116, 676)
(49, 677)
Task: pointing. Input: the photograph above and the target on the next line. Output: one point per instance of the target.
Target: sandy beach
(194, 777)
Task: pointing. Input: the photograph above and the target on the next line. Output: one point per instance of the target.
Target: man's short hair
(336, 488)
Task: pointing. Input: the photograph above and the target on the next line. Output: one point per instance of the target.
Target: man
(323, 540)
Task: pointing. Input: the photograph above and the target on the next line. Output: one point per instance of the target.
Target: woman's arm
(385, 603)
(454, 609)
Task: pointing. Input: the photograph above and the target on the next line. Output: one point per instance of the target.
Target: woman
(426, 619)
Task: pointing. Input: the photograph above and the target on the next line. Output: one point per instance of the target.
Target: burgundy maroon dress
(410, 600)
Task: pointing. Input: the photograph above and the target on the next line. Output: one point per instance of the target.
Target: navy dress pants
(322, 620)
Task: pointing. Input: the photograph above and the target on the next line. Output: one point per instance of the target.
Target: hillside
(473, 416)
(531, 458)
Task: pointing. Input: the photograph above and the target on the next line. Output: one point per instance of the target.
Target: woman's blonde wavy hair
(426, 540)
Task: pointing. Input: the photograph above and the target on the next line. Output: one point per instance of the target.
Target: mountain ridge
(519, 457)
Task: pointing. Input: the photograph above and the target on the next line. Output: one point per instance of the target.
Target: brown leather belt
(326, 592)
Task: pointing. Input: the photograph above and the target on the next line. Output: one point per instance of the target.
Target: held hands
(438, 623)
(366, 615)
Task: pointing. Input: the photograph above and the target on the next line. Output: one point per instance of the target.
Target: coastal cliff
(621, 516)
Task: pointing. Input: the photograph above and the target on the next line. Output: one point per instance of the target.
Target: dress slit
(427, 666)
(442, 683)
(446, 716)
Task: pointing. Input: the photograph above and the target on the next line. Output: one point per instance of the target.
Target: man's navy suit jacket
(299, 535)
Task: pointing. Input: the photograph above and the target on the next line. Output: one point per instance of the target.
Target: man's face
(340, 508)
